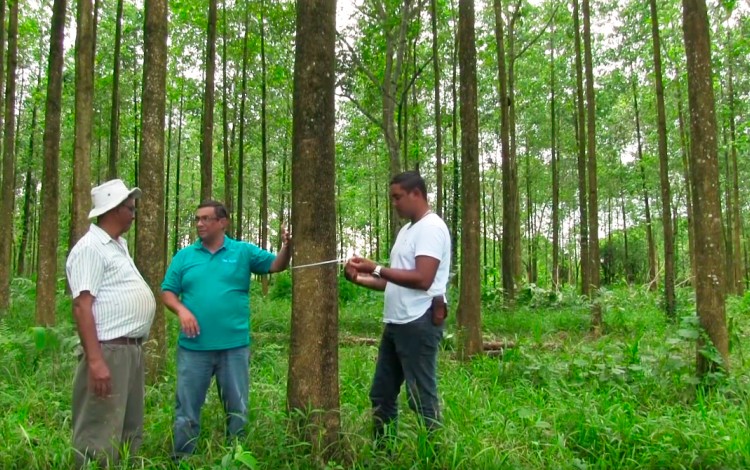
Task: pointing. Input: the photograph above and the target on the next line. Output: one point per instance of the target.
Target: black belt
(124, 340)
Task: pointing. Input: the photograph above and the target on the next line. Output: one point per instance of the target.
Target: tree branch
(539, 35)
(358, 62)
(361, 108)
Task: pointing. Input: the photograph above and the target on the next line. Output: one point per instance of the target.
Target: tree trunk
(263, 145)
(652, 271)
(241, 163)
(514, 202)
(438, 109)
(737, 267)
(596, 310)
(313, 383)
(684, 151)
(555, 172)
(508, 271)
(469, 308)
(456, 184)
(704, 163)
(228, 169)
(84, 111)
(626, 262)
(114, 119)
(666, 192)
(207, 132)
(580, 126)
(46, 283)
(178, 164)
(149, 240)
(9, 154)
(29, 192)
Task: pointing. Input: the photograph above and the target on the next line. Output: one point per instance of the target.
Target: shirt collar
(226, 245)
(101, 235)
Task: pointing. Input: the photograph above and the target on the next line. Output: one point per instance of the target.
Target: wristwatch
(376, 271)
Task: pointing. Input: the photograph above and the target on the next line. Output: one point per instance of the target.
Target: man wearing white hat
(113, 308)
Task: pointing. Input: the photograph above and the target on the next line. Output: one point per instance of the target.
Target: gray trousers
(103, 426)
(407, 353)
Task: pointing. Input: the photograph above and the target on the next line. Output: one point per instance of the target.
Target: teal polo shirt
(215, 287)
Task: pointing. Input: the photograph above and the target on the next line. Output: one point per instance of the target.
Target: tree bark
(469, 308)
(313, 384)
(84, 111)
(228, 168)
(596, 310)
(438, 109)
(9, 154)
(178, 164)
(241, 163)
(508, 271)
(738, 288)
(580, 126)
(652, 270)
(207, 131)
(149, 240)
(46, 283)
(555, 172)
(666, 191)
(704, 162)
(263, 145)
(114, 118)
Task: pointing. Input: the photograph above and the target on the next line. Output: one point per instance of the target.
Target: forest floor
(556, 398)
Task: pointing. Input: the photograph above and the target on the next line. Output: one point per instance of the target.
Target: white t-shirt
(429, 236)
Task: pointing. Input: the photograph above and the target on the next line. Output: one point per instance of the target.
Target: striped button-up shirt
(123, 303)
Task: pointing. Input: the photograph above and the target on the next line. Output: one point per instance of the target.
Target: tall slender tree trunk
(456, 176)
(241, 163)
(207, 131)
(228, 169)
(9, 155)
(652, 270)
(704, 163)
(438, 109)
(737, 267)
(626, 262)
(469, 309)
(684, 151)
(596, 310)
(508, 271)
(46, 283)
(555, 171)
(150, 248)
(580, 126)
(178, 165)
(263, 144)
(84, 112)
(313, 384)
(114, 118)
(666, 192)
(29, 196)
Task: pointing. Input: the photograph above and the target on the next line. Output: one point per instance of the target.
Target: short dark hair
(409, 181)
(220, 210)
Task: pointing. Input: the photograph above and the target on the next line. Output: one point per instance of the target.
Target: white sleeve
(85, 270)
(431, 242)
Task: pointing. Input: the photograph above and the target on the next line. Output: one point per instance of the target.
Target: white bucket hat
(109, 195)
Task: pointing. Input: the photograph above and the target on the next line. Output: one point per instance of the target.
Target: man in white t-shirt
(414, 310)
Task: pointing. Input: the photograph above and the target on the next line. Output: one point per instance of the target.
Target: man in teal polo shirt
(207, 286)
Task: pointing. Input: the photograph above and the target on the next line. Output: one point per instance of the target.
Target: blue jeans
(194, 372)
(408, 353)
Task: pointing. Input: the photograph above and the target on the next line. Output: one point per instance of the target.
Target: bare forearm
(171, 301)
(282, 259)
(411, 279)
(84, 316)
(371, 282)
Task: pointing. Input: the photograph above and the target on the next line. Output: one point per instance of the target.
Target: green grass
(557, 399)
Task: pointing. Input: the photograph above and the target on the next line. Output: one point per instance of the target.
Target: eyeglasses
(205, 219)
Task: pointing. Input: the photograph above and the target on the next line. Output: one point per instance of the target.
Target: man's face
(126, 213)
(404, 201)
(208, 225)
